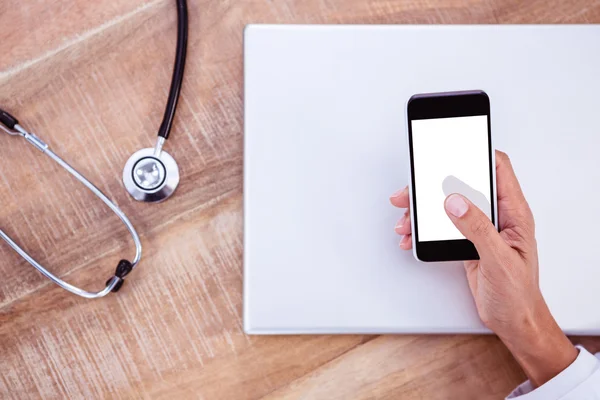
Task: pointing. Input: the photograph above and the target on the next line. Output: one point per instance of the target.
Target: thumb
(474, 224)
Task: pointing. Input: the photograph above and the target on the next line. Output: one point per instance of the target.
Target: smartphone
(450, 151)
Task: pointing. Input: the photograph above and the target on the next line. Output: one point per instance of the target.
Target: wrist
(539, 345)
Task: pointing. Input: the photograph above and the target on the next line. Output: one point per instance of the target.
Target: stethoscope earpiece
(151, 175)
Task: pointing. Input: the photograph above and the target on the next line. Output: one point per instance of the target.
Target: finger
(406, 242)
(471, 272)
(400, 198)
(507, 184)
(403, 227)
(452, 184)
(513, 209)
(474, 224)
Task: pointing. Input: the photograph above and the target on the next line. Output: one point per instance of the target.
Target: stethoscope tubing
(113, 281)
(178, 69)
(10, 125)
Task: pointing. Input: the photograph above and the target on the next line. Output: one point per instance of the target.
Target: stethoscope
(150, 175)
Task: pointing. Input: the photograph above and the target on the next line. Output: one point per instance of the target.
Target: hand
(504, 282)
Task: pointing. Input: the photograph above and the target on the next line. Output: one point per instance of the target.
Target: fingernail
(456, 205)
(400, 223)
(404, 242)
(398, 193)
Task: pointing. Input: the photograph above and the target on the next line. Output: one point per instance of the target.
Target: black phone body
(450, 151)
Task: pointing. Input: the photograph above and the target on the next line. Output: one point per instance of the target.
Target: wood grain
(91, 78)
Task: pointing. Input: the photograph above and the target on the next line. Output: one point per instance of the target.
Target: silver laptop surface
(325, 146)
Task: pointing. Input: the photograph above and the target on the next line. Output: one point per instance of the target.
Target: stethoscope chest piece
(151, 175)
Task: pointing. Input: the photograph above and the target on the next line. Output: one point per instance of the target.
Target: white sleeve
(579, 381)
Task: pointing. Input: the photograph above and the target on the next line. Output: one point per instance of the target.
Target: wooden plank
(413, 367)
(91, 79)
(39, 29)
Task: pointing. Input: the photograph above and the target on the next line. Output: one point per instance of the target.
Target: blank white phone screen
(450, 155)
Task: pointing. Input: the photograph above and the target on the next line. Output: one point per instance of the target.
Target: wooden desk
(91, 78)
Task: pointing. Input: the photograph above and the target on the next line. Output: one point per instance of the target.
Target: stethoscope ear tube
(124, 267)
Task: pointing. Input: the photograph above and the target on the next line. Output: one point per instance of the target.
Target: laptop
(325, 146)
